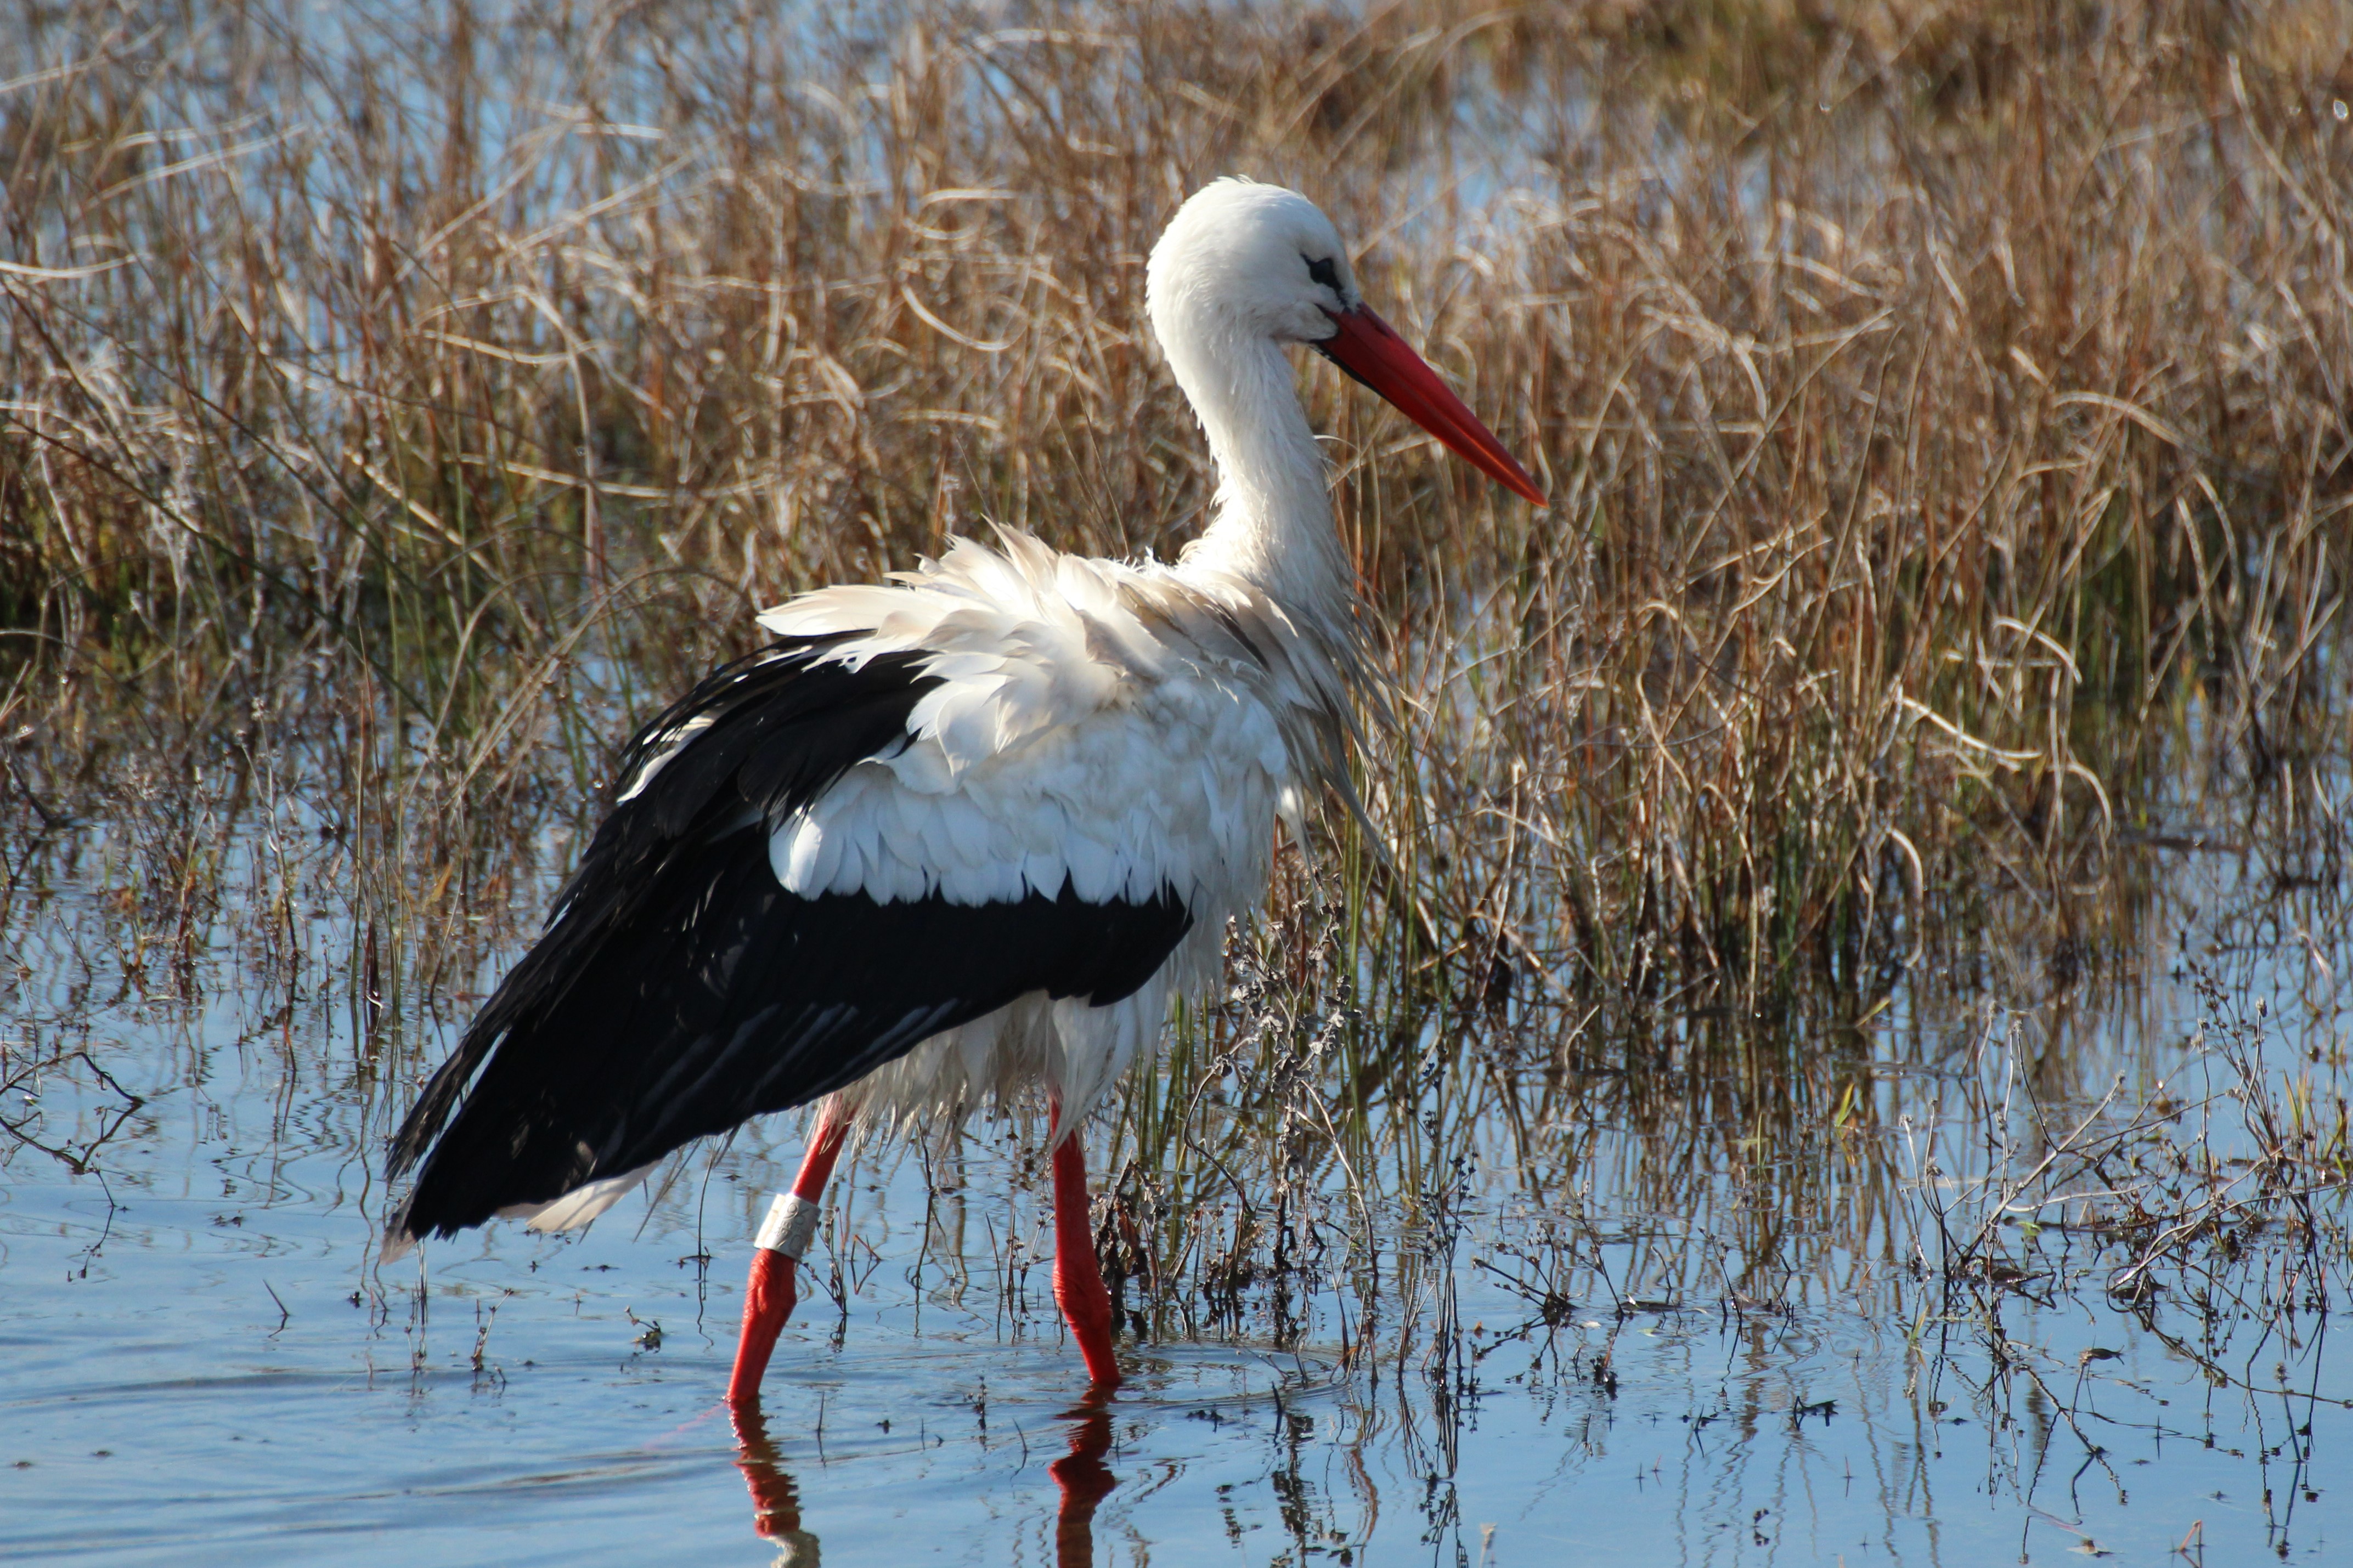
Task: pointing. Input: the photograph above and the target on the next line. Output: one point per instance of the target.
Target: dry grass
(1944, 407)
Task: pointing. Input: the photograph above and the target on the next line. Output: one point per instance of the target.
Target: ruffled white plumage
(1120, 728)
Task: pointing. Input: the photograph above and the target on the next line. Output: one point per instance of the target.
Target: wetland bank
(1842, 1058)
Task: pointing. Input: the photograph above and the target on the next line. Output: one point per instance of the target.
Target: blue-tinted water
(202, 1363)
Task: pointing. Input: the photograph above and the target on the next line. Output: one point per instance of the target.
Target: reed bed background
(1944, 408)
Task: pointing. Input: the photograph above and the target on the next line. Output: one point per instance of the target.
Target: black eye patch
(1324, 272)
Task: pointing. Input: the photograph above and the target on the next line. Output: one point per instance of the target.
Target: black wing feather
(680, 989)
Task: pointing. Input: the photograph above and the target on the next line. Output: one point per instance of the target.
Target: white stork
(961, 836)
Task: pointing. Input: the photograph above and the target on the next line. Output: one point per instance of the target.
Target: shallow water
(204, 1364)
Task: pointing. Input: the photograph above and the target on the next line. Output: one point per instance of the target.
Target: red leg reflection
(770, 1293)
(1078, 1278)
(1085, 1481)
(776, 1501)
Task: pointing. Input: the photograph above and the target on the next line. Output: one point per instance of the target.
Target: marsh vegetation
(1859, 880)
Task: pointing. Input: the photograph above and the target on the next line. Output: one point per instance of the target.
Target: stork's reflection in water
(1084, 1479)
(775, 1500)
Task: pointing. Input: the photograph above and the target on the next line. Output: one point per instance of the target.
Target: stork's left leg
(770, 1294)
(1078, 1278)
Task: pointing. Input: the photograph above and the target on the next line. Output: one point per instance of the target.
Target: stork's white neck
(1272, 521)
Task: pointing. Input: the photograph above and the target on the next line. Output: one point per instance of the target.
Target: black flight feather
(678, 988)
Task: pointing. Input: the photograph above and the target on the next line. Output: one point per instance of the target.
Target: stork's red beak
(1368, 349)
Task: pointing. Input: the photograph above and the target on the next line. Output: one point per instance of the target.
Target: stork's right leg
(769, 1295)
(1078, 1278)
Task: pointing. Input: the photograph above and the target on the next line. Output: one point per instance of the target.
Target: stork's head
(1243, 260)
(1252, 257)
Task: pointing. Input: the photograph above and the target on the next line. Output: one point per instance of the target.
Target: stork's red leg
(769, 1295)
(1078, 1278)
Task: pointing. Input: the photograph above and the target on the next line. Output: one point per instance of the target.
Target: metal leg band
(790, 1226)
